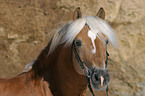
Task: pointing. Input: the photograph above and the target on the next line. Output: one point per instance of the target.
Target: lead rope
(83, 67)
(89, 85)
(106, 62)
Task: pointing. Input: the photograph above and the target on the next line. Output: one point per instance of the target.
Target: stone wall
(27, 25)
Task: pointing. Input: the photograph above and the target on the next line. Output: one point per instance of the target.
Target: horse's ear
(77, 14)
(101, 13)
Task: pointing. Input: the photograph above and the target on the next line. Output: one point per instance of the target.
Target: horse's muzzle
(100, 78)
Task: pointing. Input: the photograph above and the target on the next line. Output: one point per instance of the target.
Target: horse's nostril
(96, 77)
(108, 77)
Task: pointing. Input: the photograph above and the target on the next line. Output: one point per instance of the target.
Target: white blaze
(93, 37)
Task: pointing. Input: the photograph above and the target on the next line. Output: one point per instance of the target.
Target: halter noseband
(73, 48)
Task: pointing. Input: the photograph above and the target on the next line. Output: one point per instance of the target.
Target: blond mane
(71, 29)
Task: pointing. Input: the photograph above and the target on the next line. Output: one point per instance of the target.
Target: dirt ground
(27, 25)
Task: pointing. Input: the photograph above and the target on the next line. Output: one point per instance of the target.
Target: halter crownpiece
(86, 72)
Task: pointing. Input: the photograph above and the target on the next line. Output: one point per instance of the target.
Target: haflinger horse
(75, 57)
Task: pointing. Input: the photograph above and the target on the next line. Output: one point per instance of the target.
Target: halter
(73, 48)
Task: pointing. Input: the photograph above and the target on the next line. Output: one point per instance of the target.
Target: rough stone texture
(27, 25)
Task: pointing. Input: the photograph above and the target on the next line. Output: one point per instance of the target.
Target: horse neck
(57, 69)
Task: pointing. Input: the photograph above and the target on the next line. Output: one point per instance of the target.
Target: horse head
(88, 36)
(90, 47)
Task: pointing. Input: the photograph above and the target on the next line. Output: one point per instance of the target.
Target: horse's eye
(78, 43)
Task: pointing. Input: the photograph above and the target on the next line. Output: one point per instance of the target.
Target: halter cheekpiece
(73, 48)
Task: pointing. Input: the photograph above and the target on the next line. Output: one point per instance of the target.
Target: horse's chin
(99, 87)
